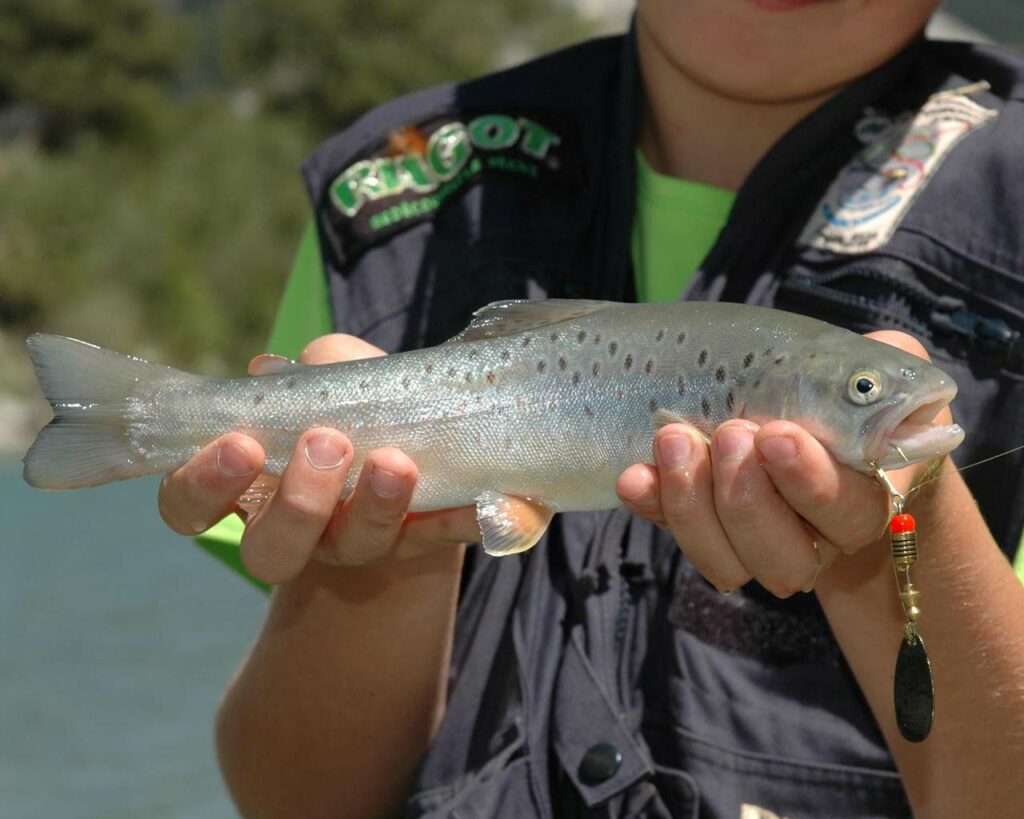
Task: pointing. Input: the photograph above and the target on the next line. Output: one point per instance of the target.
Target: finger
(367, 525)
(849, 508)
(195, 496)
(639, 490)
(338, 347)
(687, 501)
(281, 536)
(446, 527)
(770, 538)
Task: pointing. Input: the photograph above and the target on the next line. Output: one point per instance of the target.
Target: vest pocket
(735, 784)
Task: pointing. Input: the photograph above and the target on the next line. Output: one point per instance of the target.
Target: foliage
(74, 66)
(179, 254)
(154, 205)
(331, 60)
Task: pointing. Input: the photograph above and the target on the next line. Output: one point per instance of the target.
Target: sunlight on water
(117, 638)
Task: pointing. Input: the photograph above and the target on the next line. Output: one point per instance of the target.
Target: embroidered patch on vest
(866, 202)
(418, 168)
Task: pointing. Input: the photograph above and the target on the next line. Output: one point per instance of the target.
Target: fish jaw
(902, 434)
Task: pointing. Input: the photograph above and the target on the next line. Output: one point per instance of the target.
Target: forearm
(341, 694)
(973, 624)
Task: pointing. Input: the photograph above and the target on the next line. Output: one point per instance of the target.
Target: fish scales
(546, 400)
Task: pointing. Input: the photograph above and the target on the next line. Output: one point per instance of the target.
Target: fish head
(868, 402)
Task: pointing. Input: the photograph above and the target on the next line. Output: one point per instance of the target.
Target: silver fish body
(546, 400)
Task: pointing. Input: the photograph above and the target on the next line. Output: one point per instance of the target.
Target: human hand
(306, 517)
(768, 503)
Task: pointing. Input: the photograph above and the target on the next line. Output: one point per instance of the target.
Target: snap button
(599, 763)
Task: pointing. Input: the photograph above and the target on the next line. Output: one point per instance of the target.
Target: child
(812, 155)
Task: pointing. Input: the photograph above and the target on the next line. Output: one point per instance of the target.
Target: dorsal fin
(506, 318)
(270, 364)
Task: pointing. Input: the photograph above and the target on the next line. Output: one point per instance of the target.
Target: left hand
(768, 503)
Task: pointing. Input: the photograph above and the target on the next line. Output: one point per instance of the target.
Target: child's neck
(693, 132)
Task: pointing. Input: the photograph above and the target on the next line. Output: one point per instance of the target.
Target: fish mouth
(902, 433)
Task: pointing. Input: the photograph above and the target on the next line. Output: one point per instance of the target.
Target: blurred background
(150, 202)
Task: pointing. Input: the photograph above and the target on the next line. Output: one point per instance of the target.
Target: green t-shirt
(676, 224)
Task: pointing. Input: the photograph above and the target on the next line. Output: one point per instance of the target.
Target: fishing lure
(913, 685)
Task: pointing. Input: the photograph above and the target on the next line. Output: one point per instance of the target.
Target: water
(116, 640)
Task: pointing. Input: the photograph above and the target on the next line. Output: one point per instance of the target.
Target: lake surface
(116, 640)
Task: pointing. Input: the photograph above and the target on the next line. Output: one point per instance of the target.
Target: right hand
(306, 518)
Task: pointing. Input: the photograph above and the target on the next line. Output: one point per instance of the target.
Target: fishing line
(976, 463)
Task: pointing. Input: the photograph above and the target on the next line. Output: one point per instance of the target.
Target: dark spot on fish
(628, 362)
(621, 393)
(479, 399)
(428, 369)
(364, 384)
(612, 348)
(649, 366)
(756, 384)
(680, 338)
(768, 352)
(542, 365)
(290, 383)
(468, 376)
(476, 438)
(554, 336)
(705, 407)
(561, 363)
(720, 375)
(581, 336)
(653, 406)
(406, 382)
(780, 359)
(576, 377)
(527, 340)
(474, 353)
(508, 444)
(490, 376)
(552, 404)
(258, 398)
(324, 395)
(681, 385)
(588, 411)
(748, 359)
(702, 359)
(597, 339)
(730, 401)
(660, 336)
(504, 355)
(451, 372)
(813, 355)
(596, 368)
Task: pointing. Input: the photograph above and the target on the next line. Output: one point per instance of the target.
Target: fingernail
(779, 449)
(734, 443)
(233, 461)
(385, 484)
(199, 526)
(675, 451)
(325, 452)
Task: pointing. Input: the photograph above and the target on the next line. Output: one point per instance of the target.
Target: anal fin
(508, 524)
(664, 417)
(258, 493)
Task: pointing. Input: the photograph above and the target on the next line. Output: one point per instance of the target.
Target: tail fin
(89, 390)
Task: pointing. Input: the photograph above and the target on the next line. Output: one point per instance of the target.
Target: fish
(547, 401)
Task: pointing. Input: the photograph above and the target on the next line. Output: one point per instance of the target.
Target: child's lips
(784, 5)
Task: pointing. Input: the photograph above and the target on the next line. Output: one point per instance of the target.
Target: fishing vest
(598, 674)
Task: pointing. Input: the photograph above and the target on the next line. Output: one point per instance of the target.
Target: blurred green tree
(330, 60)
(102, 65)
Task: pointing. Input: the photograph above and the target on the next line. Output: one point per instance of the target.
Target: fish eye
(865, 387)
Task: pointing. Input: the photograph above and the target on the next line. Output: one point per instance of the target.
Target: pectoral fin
(509, 525)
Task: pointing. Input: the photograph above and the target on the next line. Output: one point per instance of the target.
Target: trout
(545, 400)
